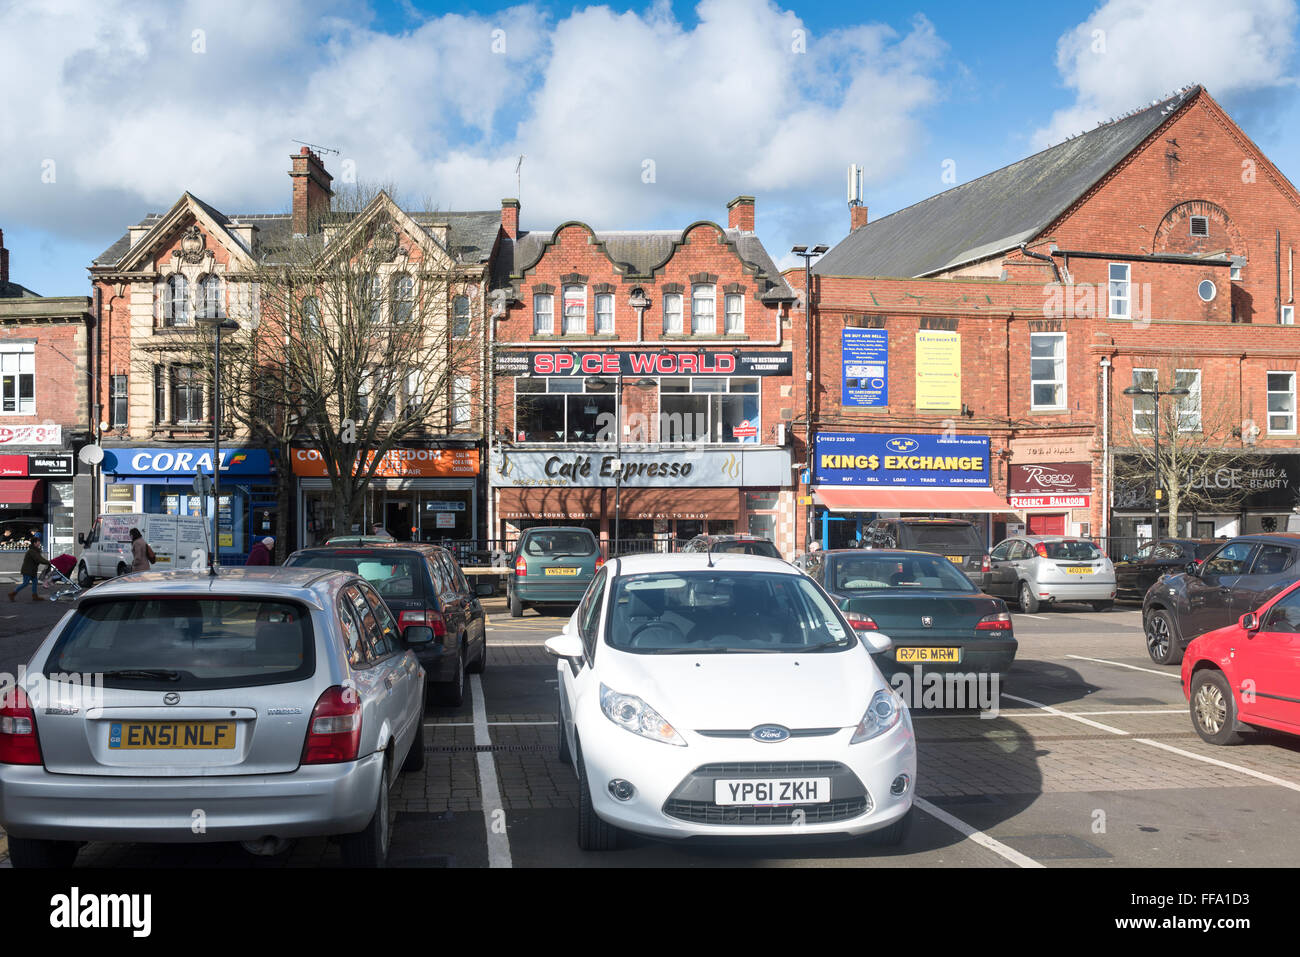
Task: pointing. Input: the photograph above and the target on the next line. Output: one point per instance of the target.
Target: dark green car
(553, 566)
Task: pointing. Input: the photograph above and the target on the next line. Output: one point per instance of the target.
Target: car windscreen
(1072, 551)
(186, 643)
(941, 536)
(394, 576)
(1206, 549)
(715, 612)
(760, 547)
(564, 542)
(854, 573)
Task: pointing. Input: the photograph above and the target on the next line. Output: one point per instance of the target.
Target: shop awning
(911, 500)
(22, 491)
(549, 503)
(680, 503)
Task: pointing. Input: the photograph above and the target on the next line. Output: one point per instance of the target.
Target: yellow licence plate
(1079, 571)
(171, 735)
(955, 559)
(927, 654)
(561, 571)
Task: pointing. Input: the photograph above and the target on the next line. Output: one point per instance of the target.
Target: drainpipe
(1026, 251)
(1105, 450)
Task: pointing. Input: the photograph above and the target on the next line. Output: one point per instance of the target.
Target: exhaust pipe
(267, 846)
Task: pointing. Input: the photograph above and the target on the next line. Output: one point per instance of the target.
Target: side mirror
(1249, 621)
(877, 642)
(417, 635)
(1193, 568)
(81, 538)
(568, 647)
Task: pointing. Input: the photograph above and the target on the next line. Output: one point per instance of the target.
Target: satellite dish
(91, 454)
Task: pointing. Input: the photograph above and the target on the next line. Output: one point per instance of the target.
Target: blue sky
(629, 115)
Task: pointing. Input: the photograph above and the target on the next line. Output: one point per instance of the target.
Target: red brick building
(1006, 316)
(644, 381)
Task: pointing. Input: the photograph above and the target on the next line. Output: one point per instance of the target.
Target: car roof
(315, 586)
(699, 561)
(931, 521)
(900, 552)
(1055, 538)
(382, 546)
(1285, 538)
(556, 528)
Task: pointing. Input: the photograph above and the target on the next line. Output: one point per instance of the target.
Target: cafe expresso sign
(684, 467)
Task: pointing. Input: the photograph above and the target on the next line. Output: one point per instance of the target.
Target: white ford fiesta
(725, 695)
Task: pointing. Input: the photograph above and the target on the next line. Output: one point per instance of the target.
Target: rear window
(1207, 549)
(565, 542)
(866, 572)
(394, 576)
(1072, 551)
(942, 536)
(761, 547)
(180, 643)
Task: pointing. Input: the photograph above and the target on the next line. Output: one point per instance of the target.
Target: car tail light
(334, 733)
(999, 622)
(985, 566)
(18, 741)
(428, 617)
(1041, 548)
(521, 567)
(599, 561)
(860, 622)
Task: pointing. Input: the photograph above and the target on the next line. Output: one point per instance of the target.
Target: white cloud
(1132, 51)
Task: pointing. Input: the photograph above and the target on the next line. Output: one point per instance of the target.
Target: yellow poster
(938, 370)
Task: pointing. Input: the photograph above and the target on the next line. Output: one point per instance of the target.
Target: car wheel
(1028, 602)
(516, 604)
(369, 847)
(415, 757)
(452, 692)
(895, 833)
(84, 578)
(1162, 646)
(593, 833)
(1102, 605)
(26, 852)
(1214, 710)
(122, 569)
(562, 739)
(480, 663)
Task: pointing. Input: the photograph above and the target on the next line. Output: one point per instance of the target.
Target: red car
(1247, 675)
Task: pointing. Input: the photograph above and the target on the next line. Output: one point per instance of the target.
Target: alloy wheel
(1211, 708)
(1158, 637)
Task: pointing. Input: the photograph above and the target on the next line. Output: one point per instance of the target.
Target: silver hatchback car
(257, 706)
(1041, 570)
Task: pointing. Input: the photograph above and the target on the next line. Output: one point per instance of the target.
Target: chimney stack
(857, 217)
(510, 217)
(311, 191)
(4, 263)
(740, 214)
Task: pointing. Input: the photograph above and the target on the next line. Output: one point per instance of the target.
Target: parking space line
(1018, 713)
(1280, 782)
(978, 836)
(1065, 714)
(1021, 614)
(498, 841)
(1120, 664)
(491, 724)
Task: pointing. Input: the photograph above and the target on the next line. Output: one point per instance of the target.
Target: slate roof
(996, 212)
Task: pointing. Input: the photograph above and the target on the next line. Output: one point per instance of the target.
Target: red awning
(911, 500)
(21, 491)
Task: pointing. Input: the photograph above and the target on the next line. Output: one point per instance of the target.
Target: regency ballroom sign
(647, 362)
(713, 468)
(1050, 485)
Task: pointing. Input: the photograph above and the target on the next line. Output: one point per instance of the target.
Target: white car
(725, 695)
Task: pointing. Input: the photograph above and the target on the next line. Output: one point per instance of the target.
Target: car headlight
(885, 711)
(632, 714)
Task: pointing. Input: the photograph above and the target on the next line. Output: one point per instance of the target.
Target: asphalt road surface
(1091, 761)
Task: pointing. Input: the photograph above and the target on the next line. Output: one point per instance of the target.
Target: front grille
(706, 812)
(772, 767)
(744, 733)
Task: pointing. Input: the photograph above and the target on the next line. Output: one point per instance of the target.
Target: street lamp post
(808, 256)
(218, 326)
(1156, 395)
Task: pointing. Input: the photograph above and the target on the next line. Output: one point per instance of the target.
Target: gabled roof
(998, 211)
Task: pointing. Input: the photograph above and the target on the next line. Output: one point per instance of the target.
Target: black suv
(1236, 578)
(956, 539)
(422, 585)
(744, 544)
(1135, 573)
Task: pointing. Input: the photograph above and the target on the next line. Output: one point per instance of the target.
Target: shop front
(160, 481)
(1055, 497)
(37, 495)
(417, 494)
(651, 500)
(861, 476)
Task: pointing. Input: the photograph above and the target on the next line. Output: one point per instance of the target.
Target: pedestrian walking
(142, 556)
(260, 554)
(32, 563)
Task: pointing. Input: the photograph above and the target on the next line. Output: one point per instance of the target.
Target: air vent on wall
(1200, 226)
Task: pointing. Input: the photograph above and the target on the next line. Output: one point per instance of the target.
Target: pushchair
(67, 588)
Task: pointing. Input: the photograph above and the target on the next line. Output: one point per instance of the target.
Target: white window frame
(1287, 318)
(1155, 384)
(1062, 377)
(1115, 300)
(403, 297)
(461, 391)
(565, 386)
(573, 329)
(170, 317)
(22, 358)
(114, 394)
(698, 327)
(1182, 401)
(673, 313)
(457, 315)
(547, 329)
(711, 386)
(414, 394)
(728, 327)
(1269, 391)
(212, 304)
(603, 329)
(1213, 285)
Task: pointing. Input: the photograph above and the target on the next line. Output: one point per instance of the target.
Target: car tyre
(415, 757)
(452, 693)
(1213, 708)
(1028, 601)
(84, 578)
(480, 663)
(895, 833)
(369, 847)
(1102, 605)
(122, 569)
(562, 739)
(1162, 645)
(28, 852)
(594, 834)
(516, 605)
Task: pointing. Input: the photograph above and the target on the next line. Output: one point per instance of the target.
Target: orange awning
(911, 500)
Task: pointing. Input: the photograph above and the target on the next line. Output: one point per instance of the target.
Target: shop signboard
(938, 370)
(648, 362)
(1050, 485)
(865, 367)
(692, 468)
(398, 463)
(1255, 482)
(11, 435)
(182, 464)
(895, 460)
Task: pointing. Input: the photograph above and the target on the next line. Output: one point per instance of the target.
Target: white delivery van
(178, 542)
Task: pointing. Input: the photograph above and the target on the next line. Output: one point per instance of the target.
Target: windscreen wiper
(158, 673)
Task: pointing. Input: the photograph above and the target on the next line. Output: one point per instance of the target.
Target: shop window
(704, 320)
(673, 313)
(187, 395)
(117, 402)
(563, 410)
(460, 317)
(575, 310)
(710, 409)
(543, 314)
(1281, 403)
(1047, 369)
(18, 376)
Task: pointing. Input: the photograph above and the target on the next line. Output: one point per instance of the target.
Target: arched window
(176, 310)
(211, 301)
(460, 317)
(403, 298)
(311, 314)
